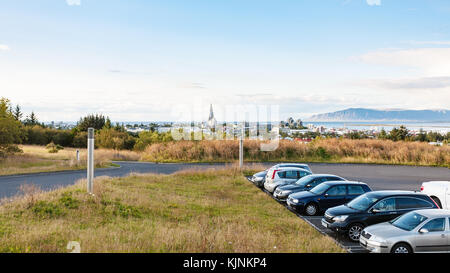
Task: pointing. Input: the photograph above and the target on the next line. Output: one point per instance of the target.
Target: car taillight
(421, 188)
(274, 172)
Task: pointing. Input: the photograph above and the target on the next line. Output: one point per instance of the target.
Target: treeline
(14, 130)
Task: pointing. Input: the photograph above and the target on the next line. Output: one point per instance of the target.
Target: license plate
(325, 224)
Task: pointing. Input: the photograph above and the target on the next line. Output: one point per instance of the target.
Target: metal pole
(90, 161)
(241, 148)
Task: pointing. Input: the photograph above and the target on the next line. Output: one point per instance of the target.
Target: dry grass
(193, 211)
(323, 150)
(37, 159)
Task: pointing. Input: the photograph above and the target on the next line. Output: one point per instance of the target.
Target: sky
(141, 60)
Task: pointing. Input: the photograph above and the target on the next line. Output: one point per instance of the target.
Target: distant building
(212, 122)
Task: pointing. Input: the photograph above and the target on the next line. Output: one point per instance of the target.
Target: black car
(373, 208)
(303, 184)
(326, 195)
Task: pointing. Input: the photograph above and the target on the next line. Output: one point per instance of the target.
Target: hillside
(362, 114)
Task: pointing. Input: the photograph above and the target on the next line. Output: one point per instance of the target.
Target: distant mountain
(362, 114)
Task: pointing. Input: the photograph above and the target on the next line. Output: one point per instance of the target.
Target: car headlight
(340, 218)
(286, 192)
(295, 201)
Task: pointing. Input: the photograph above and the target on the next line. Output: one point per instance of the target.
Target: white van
(439, 191)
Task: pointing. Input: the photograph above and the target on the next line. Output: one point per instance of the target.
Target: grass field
(36, 159)
(195, 211)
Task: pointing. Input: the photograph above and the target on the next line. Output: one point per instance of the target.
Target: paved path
(377, 176)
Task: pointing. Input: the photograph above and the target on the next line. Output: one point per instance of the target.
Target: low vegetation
(194, 211)
(34, 159)
(320, 150)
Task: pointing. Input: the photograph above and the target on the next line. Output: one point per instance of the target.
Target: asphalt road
(376, 176)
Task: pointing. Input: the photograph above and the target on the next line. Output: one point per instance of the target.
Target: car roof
(434, 212)
(323, 175)
(332, 183)
(388, 193)
(291, 168)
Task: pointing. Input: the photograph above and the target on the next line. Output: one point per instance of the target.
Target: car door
(291, 177)
(435, 239)
(334, 196)
(354, 191)
(382, 211)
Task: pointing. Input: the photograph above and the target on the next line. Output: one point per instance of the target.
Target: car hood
(260, 174)
(385, 230)
(342, 210)
(302, 194)
(292, 187)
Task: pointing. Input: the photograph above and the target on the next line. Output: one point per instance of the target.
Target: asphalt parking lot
(315, 222)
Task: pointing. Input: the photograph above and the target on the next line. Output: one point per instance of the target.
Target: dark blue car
(326, 195)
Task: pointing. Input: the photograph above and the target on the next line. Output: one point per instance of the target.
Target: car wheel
(311, 209)
(401, 248)
(354, 231)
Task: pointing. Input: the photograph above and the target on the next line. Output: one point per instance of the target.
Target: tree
(31, 120)
(91, 121)
(398, 134)
(17, 113)
(10, 129)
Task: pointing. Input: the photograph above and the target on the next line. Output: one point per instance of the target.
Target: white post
(90, 161)
(241, 147)
(78, 155)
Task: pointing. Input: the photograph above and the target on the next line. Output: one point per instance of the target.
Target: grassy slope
(37, 159)
(213, 211)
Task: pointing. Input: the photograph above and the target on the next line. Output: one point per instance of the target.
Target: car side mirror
(423, 231)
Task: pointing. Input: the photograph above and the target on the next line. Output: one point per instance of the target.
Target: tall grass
(322, 150)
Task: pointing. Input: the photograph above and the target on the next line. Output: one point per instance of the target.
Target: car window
(315, 182)
(302, 174)
(412, 203)
(435, 225)
(333, 179)
(355, 190)
(291, 175)
(282, 174)
(337, 191)
(387, 204)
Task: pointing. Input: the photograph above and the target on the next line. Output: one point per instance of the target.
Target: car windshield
(362, 202)
(305, 180)
(408, 221)
(320, 189)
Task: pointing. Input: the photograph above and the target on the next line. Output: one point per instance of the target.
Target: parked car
(259, 178)
(417, 231)
(373, 208)
(326, 195)
(284, 176)
(275, 168)
(439, 191)
(303, 184)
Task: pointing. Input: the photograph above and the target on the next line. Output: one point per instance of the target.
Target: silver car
(284, 176)
(417, 231)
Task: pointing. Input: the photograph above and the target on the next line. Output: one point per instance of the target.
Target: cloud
(412, 83)
(4, 48)
(430, 62)
(373, 2)
(73, 2)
